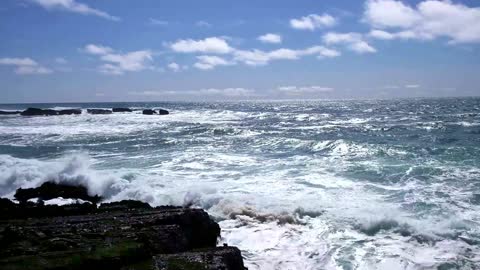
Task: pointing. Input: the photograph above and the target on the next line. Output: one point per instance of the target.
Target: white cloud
(97, 49)
(118, 63)
(208, 45)
(412, 86)
(73, 6)
(353, 41)
(61, 60)
(429, 19)
(384, 35)
(304, 90)
(203, 24)
(258, 57)
(207, 62)
(270, 38)
(390, 13)
(174, 67)
(153, 21)
(313, 21)
(24, 66)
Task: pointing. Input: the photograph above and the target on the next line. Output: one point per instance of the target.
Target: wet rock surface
(9, 112)
(149, 112)
(162, 112)
(119, 235)
(37, 112)
(98, 111)
(122, 110)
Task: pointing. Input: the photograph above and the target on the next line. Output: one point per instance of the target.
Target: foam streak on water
(296, 185)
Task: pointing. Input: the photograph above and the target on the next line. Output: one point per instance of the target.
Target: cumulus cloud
(270, 38)
(97, 49)
(117, 63)
(429, 19)
(258, 57)
(313, 21)
(206, 62)
(73, 6)
(303, 90)
(353, 41)
(25, 66)
(216, 45)
(384, 35)
(174, 67)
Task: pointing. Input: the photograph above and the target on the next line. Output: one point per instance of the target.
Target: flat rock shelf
(119, 235)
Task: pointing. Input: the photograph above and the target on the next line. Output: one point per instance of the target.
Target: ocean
(331, 184)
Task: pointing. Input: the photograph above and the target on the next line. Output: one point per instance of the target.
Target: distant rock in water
(149, 112)
(49, 190)
(9, 112)
(98, 111)
(38, 112)
(162, 112)
(119, 235)
(122, 110)
(70, 111)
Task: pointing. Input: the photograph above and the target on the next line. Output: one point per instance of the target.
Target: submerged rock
(149, 112)
(38, 112)
(70, 111)
(98, 111)
(122, 110)
(9, 112)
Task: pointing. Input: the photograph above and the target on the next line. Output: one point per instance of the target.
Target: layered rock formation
(119, 235)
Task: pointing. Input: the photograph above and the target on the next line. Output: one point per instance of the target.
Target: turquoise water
(374, 184)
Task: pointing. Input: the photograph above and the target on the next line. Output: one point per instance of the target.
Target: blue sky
(121, 50)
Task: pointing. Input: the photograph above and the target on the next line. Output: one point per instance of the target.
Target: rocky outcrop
(98, 111)
(69, 111)
(118, 235)
(38, 112)
(213, 259)
(162, 112)
(149, 112)
(49, 190)
(9, 112)
(122, 110)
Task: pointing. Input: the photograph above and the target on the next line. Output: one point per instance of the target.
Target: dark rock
(112, 239)
(70, 111)
(162, 112)
(37, 112)
(49, 190)
(227, 258)
(122, 110)
(149, 112)
(9, 112)
(98, 111)
(124, 205)
(120, 235)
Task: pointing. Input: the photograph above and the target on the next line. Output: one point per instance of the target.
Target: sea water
(338, 184)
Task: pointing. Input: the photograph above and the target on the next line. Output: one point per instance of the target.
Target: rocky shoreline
(118, 235)
(51, 112)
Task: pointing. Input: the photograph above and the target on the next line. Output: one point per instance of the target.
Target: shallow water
(378, 184)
